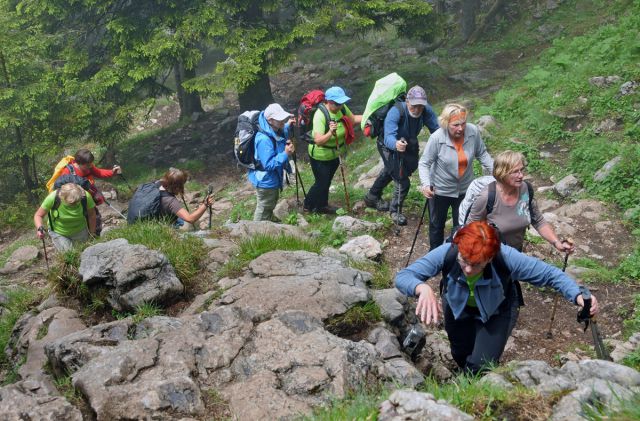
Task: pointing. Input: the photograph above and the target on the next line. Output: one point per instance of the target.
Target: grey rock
(622, 349)
(298, 280)
(540, 376)
(591, 209)
(486, 121)
(497, 380)
(386, 343)
(412, 405)
(567, 186)
(132, 273)
(391, 303)
(26, 401)
(248, 229)
(362, 248)
(604, 81)
(19, 259)
(366, 179)
(597, 390)
(605, 126)
(401, 372)
(606, 169)
(353, 226)
(606, 370)
(628, 88)
(32, 333)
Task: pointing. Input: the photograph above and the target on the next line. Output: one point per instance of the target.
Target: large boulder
(249, 229)
(25, 401)
(132, 273)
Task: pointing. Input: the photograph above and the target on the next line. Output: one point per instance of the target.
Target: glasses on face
(520, 171)
(473, 266)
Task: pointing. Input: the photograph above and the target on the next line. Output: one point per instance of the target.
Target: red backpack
(309, 103)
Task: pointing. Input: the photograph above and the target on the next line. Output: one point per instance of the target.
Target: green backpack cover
(385, 92)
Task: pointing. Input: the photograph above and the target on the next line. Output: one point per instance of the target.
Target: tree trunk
(468, 18)
(189, 101)
(486, 21)
(440, 6)
(25, 166)
(257, 95)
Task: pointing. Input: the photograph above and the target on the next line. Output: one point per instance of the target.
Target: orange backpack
(58, 170)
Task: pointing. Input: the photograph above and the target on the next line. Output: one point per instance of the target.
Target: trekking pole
(415, 237)
(397, 183)
(584, 316)
(344, 177)
(209, 191)
(549, 334)
(44, 247)
(125, 181)
(116, 210)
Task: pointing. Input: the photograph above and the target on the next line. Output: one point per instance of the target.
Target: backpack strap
(530, 188)
(327, 117)
(449, 260)
(71, 169)
(491, 198)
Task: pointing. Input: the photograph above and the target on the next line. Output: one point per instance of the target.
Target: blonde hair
(449, 111)
(71, 193)
(506, 162)
(173, 181)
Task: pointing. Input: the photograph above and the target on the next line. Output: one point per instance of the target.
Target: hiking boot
(329, 210)
(398, 218)
(376, 203)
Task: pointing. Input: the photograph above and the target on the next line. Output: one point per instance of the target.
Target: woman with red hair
(478, 301)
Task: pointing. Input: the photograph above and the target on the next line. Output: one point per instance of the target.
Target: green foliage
(184, 252)
(17, 215)
(382, 278)
(261, 244)
(19, 301)
(65, 386)
(360, 404)
(632, 325)
(141, 312)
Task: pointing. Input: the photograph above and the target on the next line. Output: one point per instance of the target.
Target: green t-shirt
(67, 219)
(328, 152)
(471, 281)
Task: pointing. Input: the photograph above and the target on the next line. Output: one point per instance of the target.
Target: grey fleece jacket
(438, 166)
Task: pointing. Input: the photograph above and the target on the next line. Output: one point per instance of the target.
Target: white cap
(276, 112)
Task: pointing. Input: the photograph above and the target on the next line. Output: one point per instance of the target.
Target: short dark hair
(84, 156)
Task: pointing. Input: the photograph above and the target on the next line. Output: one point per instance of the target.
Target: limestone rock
(248, 229)
(567, 186)
(353, 226)
(25, 401)
(412, 405)
(362, 248)
(19, 259)
(132, 273)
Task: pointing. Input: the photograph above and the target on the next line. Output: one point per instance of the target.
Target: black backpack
(66, 179)
(244, 142)
(498, 263)
(146, 203)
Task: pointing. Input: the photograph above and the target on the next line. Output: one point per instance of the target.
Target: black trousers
(393, 171)
(438, 211)
(475, 344)
(323, 172)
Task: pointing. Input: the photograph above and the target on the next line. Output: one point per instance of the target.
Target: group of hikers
(481, 262)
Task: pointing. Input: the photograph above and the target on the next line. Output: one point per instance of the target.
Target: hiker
(272, 151)
(82, 165)
(399, 145)
(513, 210)
(477, 300)
(172, 185)
(446, 167)
(72, 216)
(327, 144)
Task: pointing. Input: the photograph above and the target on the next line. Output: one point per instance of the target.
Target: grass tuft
(19, 301)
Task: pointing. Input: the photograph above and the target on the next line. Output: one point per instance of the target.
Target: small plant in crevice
(355, 320)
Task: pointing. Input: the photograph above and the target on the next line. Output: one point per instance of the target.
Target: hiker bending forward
(171, 185)
(446, 167)
(399, 149)
(478, 303)
(272, 152)
(72, 216)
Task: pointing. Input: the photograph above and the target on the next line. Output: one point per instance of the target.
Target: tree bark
(189, 101)
(468, 17)
(257, 95)
(491, 14)
(25, 166)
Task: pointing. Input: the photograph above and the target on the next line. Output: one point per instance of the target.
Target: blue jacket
(273, 161)
(489, 293)
(410, 127)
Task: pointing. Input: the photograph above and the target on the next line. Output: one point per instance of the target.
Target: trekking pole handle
(585, 313)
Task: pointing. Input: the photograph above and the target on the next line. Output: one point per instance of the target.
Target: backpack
(145, 203)
(309, 103)
(474, 191)
(387, 92)
(59, 182)
(244, 143)
(60, 166)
